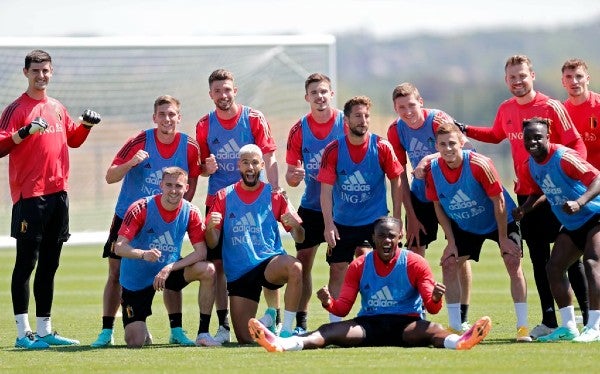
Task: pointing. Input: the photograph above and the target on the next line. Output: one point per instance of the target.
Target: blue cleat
(560, 334)
(299, 331)
(30, 342)
(178, 337)
(105, 339)
(55, 339)
(271, 312)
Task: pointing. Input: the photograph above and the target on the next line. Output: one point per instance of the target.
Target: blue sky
(247, 17)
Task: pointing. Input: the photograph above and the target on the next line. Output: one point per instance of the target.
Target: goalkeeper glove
(461, 126)
(89, 118)
(37, 125)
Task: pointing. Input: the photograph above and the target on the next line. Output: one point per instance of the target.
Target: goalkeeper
(36, 131)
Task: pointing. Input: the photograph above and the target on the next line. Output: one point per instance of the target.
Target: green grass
(78, 303)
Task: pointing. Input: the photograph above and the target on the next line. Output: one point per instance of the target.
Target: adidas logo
(460, 200)
(315, 162)
(417, 149)
(549, 187)
(356, 183)
(246, 223)
(229, 151)
(165, 244)
(382, 298)
(154, 178)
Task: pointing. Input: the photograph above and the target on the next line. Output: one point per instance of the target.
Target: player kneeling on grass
(394, 284)
(150, 265)
(572, 186)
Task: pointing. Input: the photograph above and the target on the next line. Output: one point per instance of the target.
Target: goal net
(121, 77)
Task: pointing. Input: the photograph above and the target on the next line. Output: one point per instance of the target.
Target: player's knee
(450, 267)
(295, 269)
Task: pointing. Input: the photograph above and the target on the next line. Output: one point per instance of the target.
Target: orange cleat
(475, 334)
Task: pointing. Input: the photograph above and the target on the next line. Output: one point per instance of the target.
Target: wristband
(24, 131)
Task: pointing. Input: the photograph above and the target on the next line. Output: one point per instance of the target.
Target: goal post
(121, 77)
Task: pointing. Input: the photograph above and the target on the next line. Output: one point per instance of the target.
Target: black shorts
(314, 227)
(109, 246)
(539, 223)
(384, 329)
(351, 237)
(137, 305)
(250, 284)
(579, 236)
(215, 253)
(425, 212)
(41, 217)
(470, 244)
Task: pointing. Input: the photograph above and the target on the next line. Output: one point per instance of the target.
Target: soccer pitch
(77, 314)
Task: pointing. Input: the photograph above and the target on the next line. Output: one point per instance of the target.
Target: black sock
(549, 318)
(108, 322)
(464, 313)
(204, 323)
(175, 320)
(223, 320)
(585, 314)
(278, 316)
(301, 319)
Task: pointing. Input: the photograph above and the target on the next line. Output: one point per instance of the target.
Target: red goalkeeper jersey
(40, 164)
(509, 125)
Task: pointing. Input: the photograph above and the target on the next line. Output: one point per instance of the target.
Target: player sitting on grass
(394, 284)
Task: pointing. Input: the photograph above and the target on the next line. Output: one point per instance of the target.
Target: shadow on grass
(505, 341)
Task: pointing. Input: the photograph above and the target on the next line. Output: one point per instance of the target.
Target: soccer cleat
(541, 330)
(105, 339)
(560, 334)
(299, 331)
(587, 336)
(271, 312)
(223, 335)
(206, 340)
(30, 342)
(55, 339)
(464, 327)
(523, 335)
(178, 337)
(263, 336)
(285, 333)
(475, 334)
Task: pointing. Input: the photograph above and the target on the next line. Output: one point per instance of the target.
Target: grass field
(78, 304)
